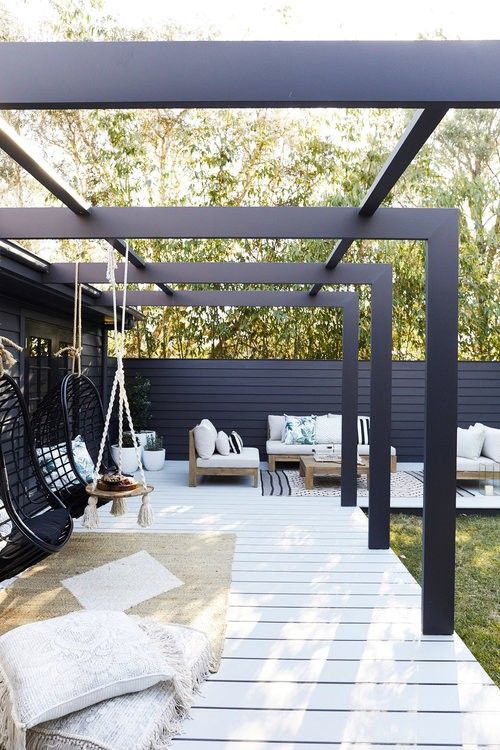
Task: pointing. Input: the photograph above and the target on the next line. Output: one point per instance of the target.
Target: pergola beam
(24, 154)
(220, 222)
(217, 298)
(88, 75)
(221, 273)
(421, 127)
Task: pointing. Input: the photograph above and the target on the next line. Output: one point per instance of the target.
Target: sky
(298, 19)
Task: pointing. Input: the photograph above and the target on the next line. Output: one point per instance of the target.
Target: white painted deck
(323, 640)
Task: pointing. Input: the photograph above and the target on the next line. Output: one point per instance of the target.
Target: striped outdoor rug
(289, 482)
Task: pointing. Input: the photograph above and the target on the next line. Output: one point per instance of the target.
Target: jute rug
(202, 562)
(288, 482)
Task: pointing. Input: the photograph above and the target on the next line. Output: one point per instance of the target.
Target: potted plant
(140, 408)
(129, 456)
(154, 454)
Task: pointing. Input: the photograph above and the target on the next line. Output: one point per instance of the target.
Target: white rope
(145, 517)
(7, 361)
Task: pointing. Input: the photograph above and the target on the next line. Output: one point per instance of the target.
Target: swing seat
(34, 523)
(67, 429)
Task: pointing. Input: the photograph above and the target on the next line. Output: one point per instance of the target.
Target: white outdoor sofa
(245, 463)
(487, 462)
(277, 451)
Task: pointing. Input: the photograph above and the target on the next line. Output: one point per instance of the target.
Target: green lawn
(477, 618)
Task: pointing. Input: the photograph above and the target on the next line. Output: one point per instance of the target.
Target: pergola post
(379, 504)
(350, 345)
(438, 547)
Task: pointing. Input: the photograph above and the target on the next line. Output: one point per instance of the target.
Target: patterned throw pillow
(235, 442)
(363, 430)
(300, 430)
(82, 459)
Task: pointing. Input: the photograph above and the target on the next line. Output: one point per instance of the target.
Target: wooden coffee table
(309, 468)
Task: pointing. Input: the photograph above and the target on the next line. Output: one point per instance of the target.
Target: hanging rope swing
(98, 486)
(75, 350)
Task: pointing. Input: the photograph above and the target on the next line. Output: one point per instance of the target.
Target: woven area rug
(289, 482)
(202, 563)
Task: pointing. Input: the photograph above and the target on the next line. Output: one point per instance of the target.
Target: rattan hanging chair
(69, 417)
(34, 523)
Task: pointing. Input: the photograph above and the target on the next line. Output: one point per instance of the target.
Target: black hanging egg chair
(34, 523)
(67, 429)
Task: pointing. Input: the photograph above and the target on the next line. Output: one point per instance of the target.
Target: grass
(477, 614)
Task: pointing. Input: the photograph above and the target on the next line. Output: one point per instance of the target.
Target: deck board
(323, 646)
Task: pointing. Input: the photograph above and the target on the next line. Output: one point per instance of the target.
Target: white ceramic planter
(129, 459)
(153, 460)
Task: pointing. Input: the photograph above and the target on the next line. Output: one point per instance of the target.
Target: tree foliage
(270, 157)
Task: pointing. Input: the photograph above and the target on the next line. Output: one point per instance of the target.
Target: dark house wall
(16, 317)
(240, 394)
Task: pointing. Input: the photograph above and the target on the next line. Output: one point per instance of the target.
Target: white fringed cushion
(328, 429)
(139, 721)
(491, 445)
(204, 440)
(51, 668)
(470, 442)
(222, 444)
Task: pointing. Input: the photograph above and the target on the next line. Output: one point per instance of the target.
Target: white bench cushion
(247, 459)
(472, 464)
(276, 448)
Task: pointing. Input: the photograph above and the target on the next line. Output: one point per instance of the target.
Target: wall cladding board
(240, 394)
(14, 315)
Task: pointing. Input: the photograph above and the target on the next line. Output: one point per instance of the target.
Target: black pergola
(432, 76)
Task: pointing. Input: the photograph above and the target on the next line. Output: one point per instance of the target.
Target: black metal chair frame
(24, 494)
(72, 408)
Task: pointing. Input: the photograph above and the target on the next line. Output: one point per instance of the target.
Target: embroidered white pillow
(140, 720)
(491, 445)
(222, 445)
(470, 442)
(54, 667)
(329, 429)
(204, 440)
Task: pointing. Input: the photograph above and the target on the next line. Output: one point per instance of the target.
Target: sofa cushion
(276, 448)
(299, 430)
(235, 442)
(470, 442)
(276, 424)
(204, 440)
(222, 445)
(211, 427)
(364, 450)
(491, 445)
(469, 464)
(247, 459)
(329, 429)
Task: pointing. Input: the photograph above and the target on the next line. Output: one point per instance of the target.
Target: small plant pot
(129, 459)
(154, 460)
(142, 437)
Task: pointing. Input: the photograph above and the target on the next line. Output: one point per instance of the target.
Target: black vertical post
(438, 544)
(379, 504)
(350, 346)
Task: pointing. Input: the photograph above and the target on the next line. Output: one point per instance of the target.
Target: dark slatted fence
(240, 394)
